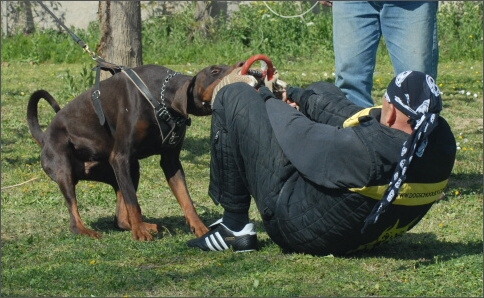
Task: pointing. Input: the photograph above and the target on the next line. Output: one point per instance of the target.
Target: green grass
(171, 39)
(441, 256)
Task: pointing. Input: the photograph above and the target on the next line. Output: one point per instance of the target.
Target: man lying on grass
(329, 177)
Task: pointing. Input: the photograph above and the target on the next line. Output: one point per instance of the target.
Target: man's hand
(271, 83)
(289, 101)
(275, 85)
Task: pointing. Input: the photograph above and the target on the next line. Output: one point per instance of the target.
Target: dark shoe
(221, 238)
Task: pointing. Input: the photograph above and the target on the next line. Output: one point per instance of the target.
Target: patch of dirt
(469, 122)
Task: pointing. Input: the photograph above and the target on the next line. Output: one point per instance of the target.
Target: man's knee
(232, 94)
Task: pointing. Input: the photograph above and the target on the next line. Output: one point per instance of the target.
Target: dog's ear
(198, 98)
(179, 103)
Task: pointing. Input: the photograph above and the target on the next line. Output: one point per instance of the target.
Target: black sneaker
(222, 238)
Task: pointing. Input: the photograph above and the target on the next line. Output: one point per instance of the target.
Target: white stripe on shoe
(221, 241)
(216, 244)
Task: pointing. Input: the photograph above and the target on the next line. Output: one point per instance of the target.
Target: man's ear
(391, 116)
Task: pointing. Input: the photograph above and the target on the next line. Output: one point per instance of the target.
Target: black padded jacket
(344, 164)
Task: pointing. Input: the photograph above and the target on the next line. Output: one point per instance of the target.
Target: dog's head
(200, 88)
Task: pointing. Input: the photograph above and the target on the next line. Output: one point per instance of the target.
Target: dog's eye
(215, 71)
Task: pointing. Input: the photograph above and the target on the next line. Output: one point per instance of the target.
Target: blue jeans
(409, 29)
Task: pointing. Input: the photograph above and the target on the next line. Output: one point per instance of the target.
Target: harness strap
(133, 76)
(107, 66)
(171, 128)
(95, 97)
(96, 94)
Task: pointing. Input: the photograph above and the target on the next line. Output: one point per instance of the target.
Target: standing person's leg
(356, 35)
(410, 32)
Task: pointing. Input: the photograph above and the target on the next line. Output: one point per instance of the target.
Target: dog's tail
(32, 113)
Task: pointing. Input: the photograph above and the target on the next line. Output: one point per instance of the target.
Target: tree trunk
(29, 19)
(23, 20)
(202, 16)
(120, 26)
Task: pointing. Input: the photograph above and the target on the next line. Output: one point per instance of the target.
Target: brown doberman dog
(75, 146)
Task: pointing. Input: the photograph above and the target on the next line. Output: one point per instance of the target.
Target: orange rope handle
(251, 60)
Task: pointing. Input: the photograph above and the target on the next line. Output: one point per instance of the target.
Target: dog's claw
(86, 231)
(144, 232)
(95, 235)
(152, 228)
(142, 236)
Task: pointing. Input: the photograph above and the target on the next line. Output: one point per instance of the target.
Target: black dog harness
(171, 126)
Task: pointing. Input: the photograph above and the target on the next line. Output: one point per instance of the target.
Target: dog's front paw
(199, 231)
(143, 232)
(80, 229)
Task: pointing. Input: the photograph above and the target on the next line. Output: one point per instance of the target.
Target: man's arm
(327, 155)
(323, 102)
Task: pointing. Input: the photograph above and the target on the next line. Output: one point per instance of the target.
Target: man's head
(410, 96)
(412, 103)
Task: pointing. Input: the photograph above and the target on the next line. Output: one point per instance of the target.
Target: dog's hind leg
(56, 162)
(121, 219)
(67, 188)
